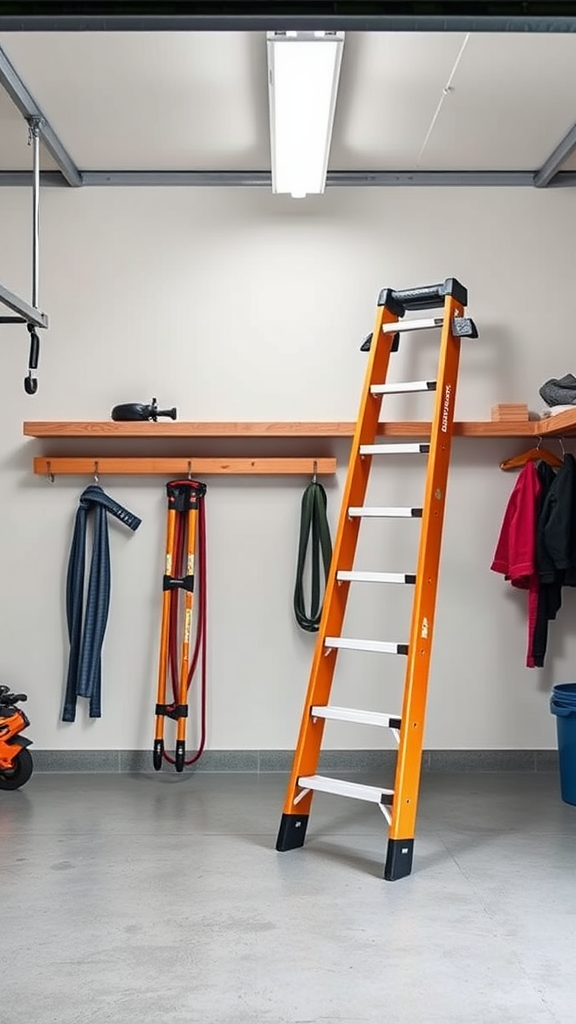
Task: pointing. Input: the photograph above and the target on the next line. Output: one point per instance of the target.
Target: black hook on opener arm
(30, 382)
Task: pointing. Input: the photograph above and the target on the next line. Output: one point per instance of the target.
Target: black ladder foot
(158, 754)
(292, 832)
(398, 859)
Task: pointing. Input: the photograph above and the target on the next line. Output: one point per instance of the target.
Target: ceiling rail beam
(556, 160)
(17, 179)
(234, 179)
(10, 81)
(351, 179)
(409, 16)
(262, 179)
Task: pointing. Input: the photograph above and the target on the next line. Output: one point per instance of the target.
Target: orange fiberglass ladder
(400, 804)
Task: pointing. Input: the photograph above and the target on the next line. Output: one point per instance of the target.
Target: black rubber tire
(18, 775)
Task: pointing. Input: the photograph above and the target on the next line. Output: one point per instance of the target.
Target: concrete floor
(136, 899)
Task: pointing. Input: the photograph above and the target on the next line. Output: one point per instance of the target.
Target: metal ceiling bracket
(26, 104)
(22, 308)
(556, 160)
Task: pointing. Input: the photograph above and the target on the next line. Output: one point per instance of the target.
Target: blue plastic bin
(563, 705)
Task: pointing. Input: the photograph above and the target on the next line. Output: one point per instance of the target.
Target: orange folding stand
(399, 805)
(184, 567)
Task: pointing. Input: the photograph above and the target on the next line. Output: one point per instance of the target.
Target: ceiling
(198, 101)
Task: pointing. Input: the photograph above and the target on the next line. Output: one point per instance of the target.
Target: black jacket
(556, 529)
(555, 546)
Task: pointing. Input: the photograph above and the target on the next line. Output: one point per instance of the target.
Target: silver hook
(96, 477)
(562, 448)
(539, 442)
(49, 473)
(189, 469)
(314, 471)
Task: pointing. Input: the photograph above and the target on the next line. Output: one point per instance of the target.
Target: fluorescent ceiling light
(303, 73)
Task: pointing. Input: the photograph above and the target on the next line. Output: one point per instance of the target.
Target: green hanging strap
(314, 526)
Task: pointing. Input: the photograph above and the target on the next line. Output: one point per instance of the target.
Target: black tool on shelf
(131, 411)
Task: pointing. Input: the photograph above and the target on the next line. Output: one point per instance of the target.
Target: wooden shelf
(183, 429)
(561, 425)
(62, 466)
(564, 424)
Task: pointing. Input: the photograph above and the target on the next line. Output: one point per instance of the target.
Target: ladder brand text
(446, 408)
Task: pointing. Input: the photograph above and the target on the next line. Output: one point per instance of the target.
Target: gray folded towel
(559, 391)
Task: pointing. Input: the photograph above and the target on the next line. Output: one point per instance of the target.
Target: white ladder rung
(376, 646)
(365, 511)
(373, 794)
(375, 577)
(403, 388)
(356, 715)
(394, 449)
(401, 326)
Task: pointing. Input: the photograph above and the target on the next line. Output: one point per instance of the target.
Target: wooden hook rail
(172, 467)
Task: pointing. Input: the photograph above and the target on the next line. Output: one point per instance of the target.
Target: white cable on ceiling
(445, 91)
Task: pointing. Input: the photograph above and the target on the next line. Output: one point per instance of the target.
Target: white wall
(238, 305)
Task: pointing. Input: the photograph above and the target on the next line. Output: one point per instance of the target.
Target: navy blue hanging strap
(86, 629)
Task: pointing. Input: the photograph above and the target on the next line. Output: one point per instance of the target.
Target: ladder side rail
(401, 836)
(324, 661)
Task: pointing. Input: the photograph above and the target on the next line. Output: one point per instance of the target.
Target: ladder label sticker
(424, 630)
(190, 569)
(187, 625)
(168, 564)
(446, 408)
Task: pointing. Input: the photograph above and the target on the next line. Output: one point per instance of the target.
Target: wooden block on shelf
(509, 412)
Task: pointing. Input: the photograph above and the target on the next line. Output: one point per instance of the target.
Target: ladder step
(357, 715)
(376, 577)
(377, 646)
(364, 511)
(394, 449)
(402, 326)
(373, 794)
(404, 387)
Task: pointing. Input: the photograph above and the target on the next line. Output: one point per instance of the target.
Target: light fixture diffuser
(303, 75)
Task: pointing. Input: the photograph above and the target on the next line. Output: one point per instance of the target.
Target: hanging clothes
(86, 629)
(556, 548)
(549, 592)
(515, 555)
(558, 524)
